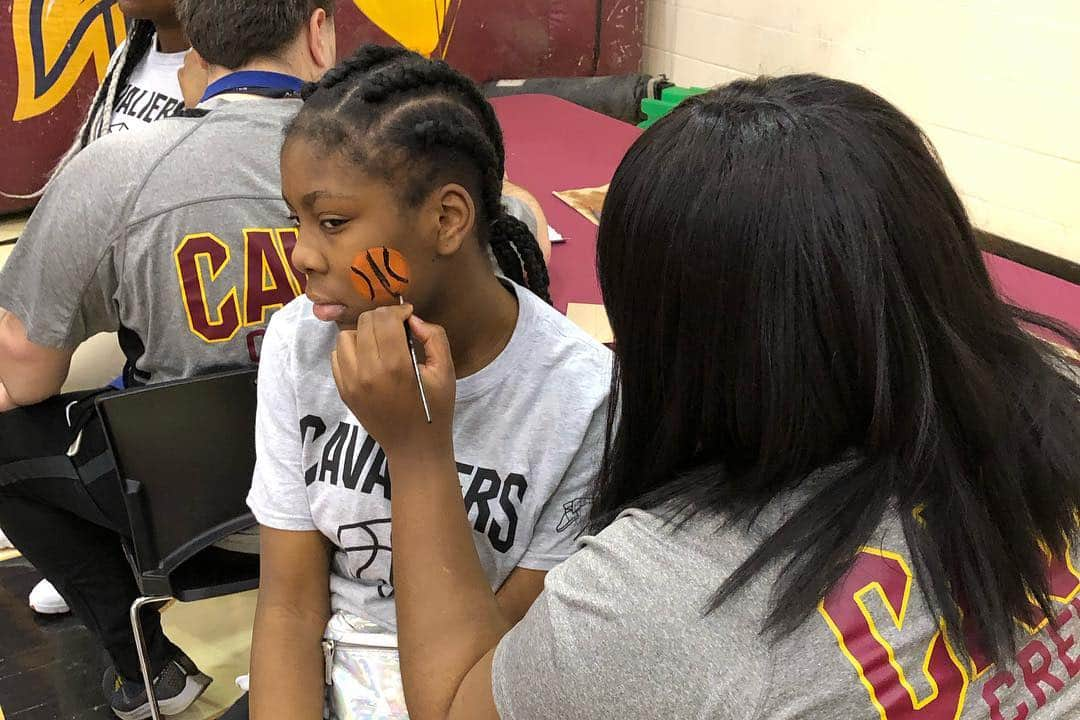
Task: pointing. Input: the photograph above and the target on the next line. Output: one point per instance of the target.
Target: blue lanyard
(255, 82)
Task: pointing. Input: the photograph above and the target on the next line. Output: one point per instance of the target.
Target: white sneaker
(46, 600)
(5, 544)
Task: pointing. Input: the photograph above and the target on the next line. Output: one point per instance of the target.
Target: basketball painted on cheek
(380, 275)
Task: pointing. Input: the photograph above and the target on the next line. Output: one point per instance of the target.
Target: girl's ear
(456, 218)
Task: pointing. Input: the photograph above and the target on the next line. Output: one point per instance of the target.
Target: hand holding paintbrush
(381, 275)
(376, 375)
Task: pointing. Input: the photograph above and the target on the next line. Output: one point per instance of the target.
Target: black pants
(239, 711)
(67, 517)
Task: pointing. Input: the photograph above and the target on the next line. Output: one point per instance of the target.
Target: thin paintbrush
(415, 365)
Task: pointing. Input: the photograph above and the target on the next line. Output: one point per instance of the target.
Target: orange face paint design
(380, 275)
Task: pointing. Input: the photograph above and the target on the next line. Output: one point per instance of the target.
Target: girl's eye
(330, 224)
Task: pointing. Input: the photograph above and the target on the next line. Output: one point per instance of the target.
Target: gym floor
(51, 667)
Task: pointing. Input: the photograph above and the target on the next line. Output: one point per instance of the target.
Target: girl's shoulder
(549, 328)
(555, 354)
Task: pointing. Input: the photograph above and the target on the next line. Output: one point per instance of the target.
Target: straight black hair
(795, 290)
(420, 124)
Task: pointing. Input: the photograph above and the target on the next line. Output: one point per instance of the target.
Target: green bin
(654, 109)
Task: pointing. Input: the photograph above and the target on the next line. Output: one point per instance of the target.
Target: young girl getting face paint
(396, 162)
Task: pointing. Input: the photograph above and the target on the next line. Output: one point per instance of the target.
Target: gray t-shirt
(528, 436)
(619, 632)
(175, 235)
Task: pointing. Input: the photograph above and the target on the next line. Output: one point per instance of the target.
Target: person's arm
(449, 620)
(542, 237)
(6, 403)
(287, 670)
(518, 593)
(29, 373)
(59, 284)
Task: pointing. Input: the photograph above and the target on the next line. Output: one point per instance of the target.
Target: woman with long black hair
(843, 478)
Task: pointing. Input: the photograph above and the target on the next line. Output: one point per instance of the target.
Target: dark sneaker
(177, 687)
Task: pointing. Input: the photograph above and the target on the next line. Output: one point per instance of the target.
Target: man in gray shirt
(176, 236)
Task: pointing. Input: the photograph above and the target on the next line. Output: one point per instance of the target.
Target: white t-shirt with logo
(528, 438)
(152, 91)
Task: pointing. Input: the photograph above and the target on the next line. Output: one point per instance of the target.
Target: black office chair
(185, 452)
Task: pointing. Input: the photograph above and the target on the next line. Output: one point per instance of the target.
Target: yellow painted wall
(995, 83)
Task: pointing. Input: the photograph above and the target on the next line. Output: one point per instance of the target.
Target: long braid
(99, 116)
(507, 231)
(91, 127)
(140, 42)
(398, 98)
(98, 120)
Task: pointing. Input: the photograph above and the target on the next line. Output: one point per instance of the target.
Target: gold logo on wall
(426, 26)
(54, 42)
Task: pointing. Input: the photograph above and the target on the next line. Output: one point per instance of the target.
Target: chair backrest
(185, 452)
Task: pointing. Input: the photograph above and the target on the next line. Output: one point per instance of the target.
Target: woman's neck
(170, 36)
(483, 320)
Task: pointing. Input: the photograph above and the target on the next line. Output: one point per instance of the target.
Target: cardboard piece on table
(593, 319)
(555, 236)
(587, 201)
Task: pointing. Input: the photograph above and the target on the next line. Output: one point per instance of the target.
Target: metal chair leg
(140, 647)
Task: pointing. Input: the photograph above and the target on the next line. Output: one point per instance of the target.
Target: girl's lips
(328, 312)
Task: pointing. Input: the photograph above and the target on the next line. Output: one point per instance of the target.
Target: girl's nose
(306, 257)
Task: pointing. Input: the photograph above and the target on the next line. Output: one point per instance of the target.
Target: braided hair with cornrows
(415, 121)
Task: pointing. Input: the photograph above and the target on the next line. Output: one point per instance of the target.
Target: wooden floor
(51, 667)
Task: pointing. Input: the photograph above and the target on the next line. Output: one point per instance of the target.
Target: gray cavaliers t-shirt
(620, 632)
(175, 235)
(528, 437)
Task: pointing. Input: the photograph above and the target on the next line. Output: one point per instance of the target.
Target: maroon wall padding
(29, 149)
(495, 39)
(621, 28)
(492, 39)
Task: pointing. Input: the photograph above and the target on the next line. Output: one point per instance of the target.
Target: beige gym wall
(995, 83)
